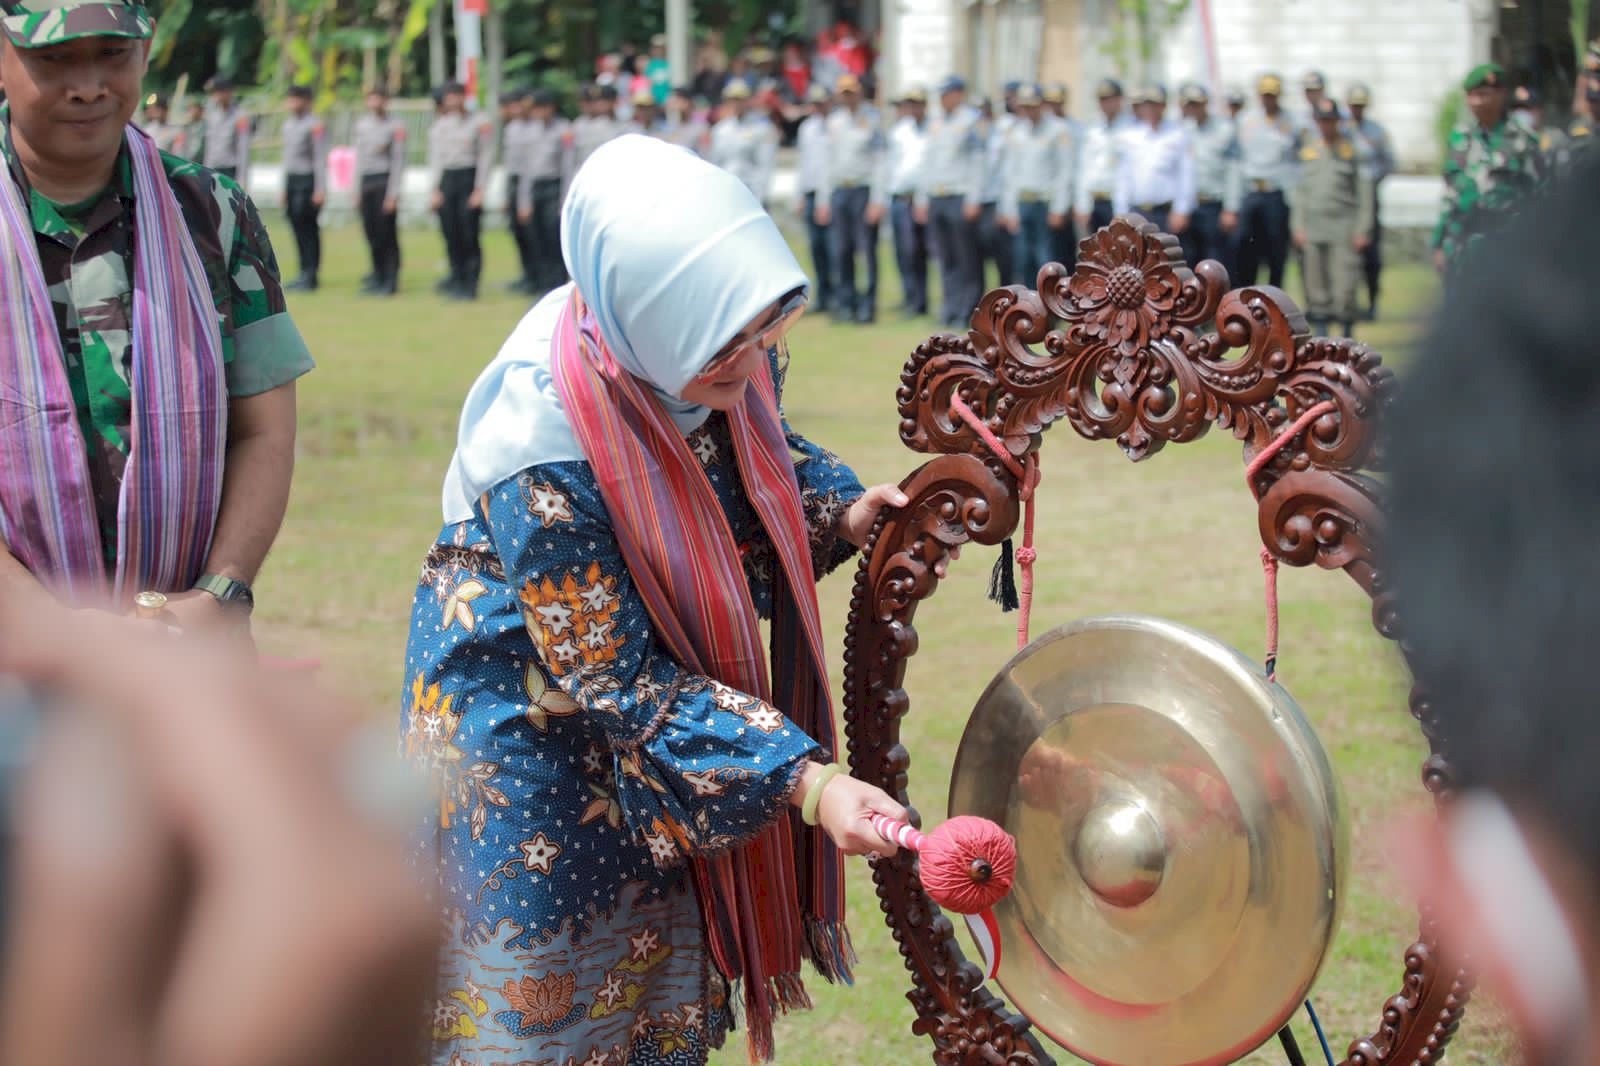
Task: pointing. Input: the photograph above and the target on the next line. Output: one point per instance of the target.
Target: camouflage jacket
(86, 253)
(1487, 173)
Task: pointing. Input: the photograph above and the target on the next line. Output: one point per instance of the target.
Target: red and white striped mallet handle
(897, 832)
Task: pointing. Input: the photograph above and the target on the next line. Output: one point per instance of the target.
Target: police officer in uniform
(305, 175)
(682, 126)
(948, 199)
(744, 142)
(538, 200)
(1063, 238)
(516, 134)
(380, 146)
(908, 143)
(598, 125)
(194, 129)
(1269, 142)
(811, 144)
(1155, 168)
(1218, 192)
(460, 156)
(852, 196)
(1331, 208)
(1037, 186)
(1097, 160)
(1376, 153)
(228, 132)
(168, 136)
(995, 241)
(1235, 101)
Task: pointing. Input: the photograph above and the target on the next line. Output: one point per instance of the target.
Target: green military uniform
(1331, 202)
(1486, 174)
(86, 254)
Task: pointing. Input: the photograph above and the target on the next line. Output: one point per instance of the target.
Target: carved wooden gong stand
(1120, 349)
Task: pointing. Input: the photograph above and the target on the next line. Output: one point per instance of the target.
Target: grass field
(1174, 537)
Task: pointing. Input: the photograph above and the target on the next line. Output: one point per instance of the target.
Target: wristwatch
(227, 590)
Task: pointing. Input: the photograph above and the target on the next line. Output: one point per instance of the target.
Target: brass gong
(1181, 841)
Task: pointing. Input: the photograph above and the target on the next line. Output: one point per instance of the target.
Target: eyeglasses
(766, 335)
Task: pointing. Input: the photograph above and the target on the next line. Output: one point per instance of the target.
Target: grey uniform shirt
(858, 154)
(167, 136)
(1098, 159)
(908, 144)
(380, 144)
(549, 157)
(1216, 162)
(747, 148)
(692, 134)
(227, 141)
(1155, 166)
(305, 148)
(1039, 164)
(590, 132)
(811, 144)
(516, 153)
(953, 157)
(1373, 148)
(1267, 150)
(460, 142)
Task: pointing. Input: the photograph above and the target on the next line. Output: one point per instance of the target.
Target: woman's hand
(845, 809)
(859, 518)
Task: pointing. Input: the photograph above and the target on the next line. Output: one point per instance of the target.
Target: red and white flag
(469, 43)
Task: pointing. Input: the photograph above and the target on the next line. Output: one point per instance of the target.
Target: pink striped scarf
(172, 483)
(779, 897)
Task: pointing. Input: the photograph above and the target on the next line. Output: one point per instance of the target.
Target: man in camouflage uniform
(167, 135)
(76, 189)
(229, 129)
(1493, 162)
(1331, 206)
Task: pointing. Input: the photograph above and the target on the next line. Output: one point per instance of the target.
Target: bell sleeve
(699, 766)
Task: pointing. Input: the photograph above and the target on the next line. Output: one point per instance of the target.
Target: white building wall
(1411, 52)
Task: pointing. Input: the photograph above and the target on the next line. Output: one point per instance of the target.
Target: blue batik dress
(580, 765)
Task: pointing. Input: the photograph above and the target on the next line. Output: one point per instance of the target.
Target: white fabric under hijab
(674, 258)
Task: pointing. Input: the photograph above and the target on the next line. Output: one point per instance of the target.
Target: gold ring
(149, 604)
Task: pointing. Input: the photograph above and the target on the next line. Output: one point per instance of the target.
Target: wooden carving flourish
(1137, 347)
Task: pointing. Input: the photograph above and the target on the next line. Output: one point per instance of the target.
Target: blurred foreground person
(1495, 502)
(204, 869)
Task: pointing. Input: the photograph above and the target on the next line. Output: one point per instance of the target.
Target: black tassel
(1003, 582)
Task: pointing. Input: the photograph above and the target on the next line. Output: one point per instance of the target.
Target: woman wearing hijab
(638, 824)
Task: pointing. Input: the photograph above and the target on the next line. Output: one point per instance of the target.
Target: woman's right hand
(845, 810)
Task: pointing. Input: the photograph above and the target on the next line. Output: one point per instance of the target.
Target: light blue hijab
(674, 258)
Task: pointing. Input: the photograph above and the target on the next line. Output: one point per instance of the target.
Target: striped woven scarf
(780, 897)
(172, 483)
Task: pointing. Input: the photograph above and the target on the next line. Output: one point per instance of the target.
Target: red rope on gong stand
(1269, 562)
(1026, 471)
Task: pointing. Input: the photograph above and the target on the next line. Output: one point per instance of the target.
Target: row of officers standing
(968, 184)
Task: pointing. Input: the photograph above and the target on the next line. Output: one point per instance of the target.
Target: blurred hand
(1361, 241)
(525, 215)
(1229, 220)
(1010, 223)
(1438, 260)
(317, 199)
(919, 214)
(436, 201)
(1177, 223)
(874, 214)
(390, 206)
(1300, 240)
(189, 826)
(970, 212)
(475, 200)
(822, 214)
(1056, 221)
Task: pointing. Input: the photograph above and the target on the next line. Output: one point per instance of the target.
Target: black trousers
(850, 237)
(544, 235)
(1204, 239)
(381, 229)
(1064, 245)
(462, 225)
(1263, 237)
(910, 254)
(521, 232)
(955, 241)
(819, 240)
(1101, 214)
(996, 245)
(303, 214)
(1372, 255)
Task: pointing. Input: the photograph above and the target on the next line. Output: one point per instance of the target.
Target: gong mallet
(967, 866)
